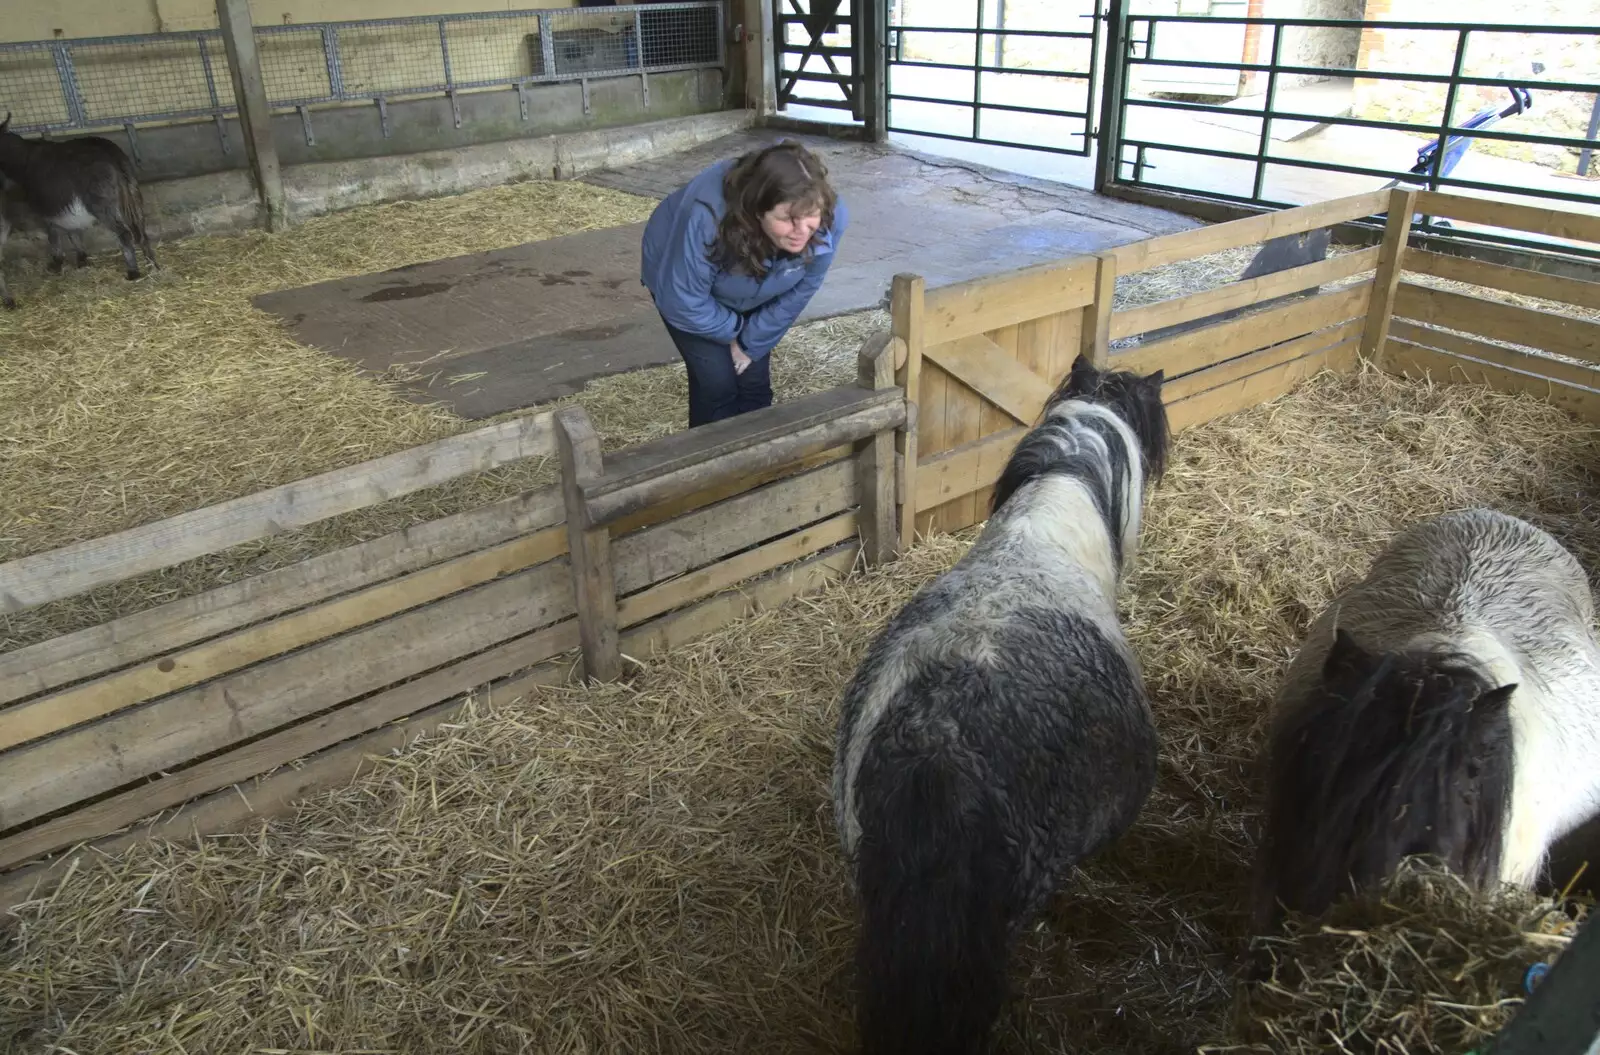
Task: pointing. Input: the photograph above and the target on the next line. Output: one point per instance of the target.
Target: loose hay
(653, 867)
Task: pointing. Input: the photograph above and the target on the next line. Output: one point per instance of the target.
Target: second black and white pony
(1446, 705)
(997, 731)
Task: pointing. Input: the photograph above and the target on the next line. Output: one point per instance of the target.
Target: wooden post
(875, 84)
(760, 66)
(1095, 338)
(1391, 262)
(875, 460)
(255, 117)
(589, 547)
(906, 317)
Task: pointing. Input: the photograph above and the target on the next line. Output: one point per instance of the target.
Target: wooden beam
(962, 470)
(589, 544)
(988, 303)
(990, 371)
(908, 319)
(661, 512)
(1392, 250)
(1255, 389)
(1546, 331)
(875, 459)
(71, 570)
(255, 115)
(1197, 349)
(1095, 337)
(1512, 358)
(1244, 294)
(1415, 361)
(1186, 245)
(1246, 365)
(144, 635)
(158, 677)
(691, 461)
(1508, 279)
(1556, 223)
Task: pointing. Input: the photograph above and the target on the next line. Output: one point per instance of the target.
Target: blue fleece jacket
(697, 296)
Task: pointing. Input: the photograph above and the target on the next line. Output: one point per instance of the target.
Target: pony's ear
(1494, 701)
(1157, 379)
(1344, 656)
(6, 124)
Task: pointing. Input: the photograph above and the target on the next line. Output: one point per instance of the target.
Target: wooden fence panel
(1528, 283)
(1535, 219)
(1416, 361)
(1510, 358)
(1559, 334)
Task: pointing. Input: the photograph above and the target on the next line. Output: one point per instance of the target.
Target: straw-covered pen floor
(652, 867)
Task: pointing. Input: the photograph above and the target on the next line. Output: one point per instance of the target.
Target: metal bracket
(644, 86)
(383, 116)
(522, 99)
(222, 133)
(133, 142)
(455, 110)
(305, 124)
(584, 83)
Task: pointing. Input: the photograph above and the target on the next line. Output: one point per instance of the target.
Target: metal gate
(818, 55)
(975, 71)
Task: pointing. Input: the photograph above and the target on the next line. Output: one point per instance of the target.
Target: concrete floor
(499, 331)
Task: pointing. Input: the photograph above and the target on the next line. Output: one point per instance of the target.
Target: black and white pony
(1447, 705)
(997, 731)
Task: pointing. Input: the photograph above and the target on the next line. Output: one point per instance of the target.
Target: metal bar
(1119, 49)
(1384, 75)
(977, 73)
(1024, 70)
(383, 116)
(305, 126)
(985, 142)
(1437, 168)
(1357, 23)
(1266, 120)
(68, 77)
(133, 142)
(330, 57)
(1007, 107)
(547, 44)
(1057, 34)
(211, 77)
(1094, 84)
(1586, 155)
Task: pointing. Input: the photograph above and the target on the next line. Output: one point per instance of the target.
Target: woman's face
(789, 227)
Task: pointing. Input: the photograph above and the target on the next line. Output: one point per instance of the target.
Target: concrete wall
(1566, 58)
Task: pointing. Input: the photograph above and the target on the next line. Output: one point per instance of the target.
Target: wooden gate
(819, 54)
(979, 361)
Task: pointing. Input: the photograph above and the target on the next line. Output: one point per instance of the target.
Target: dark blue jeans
(715, 391)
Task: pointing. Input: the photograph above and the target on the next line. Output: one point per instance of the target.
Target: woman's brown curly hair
(759, 182)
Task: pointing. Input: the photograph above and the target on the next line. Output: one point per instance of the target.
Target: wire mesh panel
(110, 81)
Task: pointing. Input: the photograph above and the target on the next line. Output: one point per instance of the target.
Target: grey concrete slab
(517, 327)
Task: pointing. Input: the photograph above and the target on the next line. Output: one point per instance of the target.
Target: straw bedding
(652, 866)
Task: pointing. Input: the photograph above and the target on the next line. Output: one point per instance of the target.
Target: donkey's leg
(58, 255)
(5, 232)
(76, 237)
(125, 236)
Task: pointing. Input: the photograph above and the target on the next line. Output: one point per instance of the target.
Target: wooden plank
(71, 570)
(1512, 358)
(875, 462)
(647, 604)
(990, 371)
(988, 303)
(661, 512)
(1070, 326)
(1396, 232)
(1186, 245)
(277, 794)
(1255, 362)
(1098, 328)
(963, 414)
(281, 748)
(589, 545)
(1509, 279)
(153, 678)
(682, 453)
(1258, 388)
(674, 630)
(707, 535)
(85, 653)
(1558, 334)
(930, 435)
(132, 744)
(1197, 349)
(965, 469)
(1240, 294)
(908, 317)
(991, 419)
(862, 414)
(1415, 361)
(1557, 223)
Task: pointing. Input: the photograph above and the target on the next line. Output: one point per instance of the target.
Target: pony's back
(1460, 678)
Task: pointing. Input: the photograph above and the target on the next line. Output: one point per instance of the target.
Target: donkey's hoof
(83, 260)
(54, 267)
(133, 275)
(10, 303)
